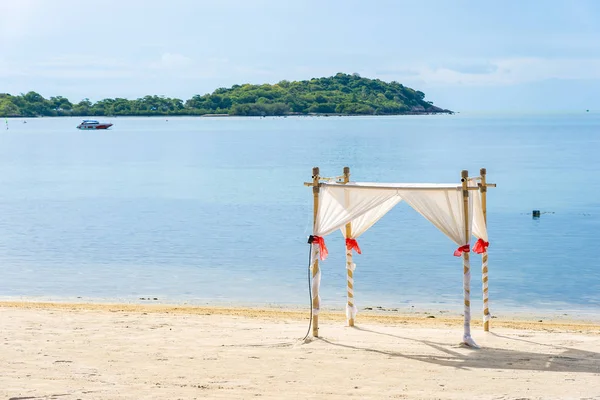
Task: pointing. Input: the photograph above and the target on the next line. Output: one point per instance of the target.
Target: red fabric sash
(462, 249)
(322, 248)
(480, 246)
(352, 244)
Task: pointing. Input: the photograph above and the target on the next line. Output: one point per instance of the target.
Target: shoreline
(298, 314)
(560, 311)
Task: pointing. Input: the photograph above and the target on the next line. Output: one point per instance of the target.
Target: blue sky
(465, 55)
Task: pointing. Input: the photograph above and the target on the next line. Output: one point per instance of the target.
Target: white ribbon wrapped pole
(480, 231)
(316, 280)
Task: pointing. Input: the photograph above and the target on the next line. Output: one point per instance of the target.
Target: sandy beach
(103, 351)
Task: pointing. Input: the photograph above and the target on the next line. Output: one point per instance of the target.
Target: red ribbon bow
(352, 244)
(462, 249)
(323, 252)
(480, 246)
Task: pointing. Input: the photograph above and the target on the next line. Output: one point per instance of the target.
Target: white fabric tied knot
(468, 340)
(351, 311)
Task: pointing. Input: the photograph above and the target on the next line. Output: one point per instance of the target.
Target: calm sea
(213, 210)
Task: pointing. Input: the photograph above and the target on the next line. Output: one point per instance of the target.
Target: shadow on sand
(557, 359)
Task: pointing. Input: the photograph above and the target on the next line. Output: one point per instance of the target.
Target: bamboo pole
(349, 263)
(466, 266)
(315, 255)
(484, 255)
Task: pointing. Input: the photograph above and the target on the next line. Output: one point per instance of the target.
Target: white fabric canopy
(364, 204)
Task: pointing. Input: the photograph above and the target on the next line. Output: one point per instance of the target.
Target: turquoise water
(201, 210)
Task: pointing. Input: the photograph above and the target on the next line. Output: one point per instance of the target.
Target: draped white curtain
(444, 209)
(479, 226)
(340, 204)
(365, 221)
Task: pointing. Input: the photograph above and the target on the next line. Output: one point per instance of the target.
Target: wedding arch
(457, 210)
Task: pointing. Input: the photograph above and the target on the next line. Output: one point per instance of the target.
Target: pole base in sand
(315, 326)
(469, 342)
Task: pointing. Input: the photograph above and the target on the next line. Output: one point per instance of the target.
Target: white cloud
(209, 68)
(83, 61)
(86, 66)
(69, 67)
(501, 72)
(172, 61)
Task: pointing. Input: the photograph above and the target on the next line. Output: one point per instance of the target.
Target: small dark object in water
(536, 213)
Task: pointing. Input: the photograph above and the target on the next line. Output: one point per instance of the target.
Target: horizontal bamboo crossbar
(406, 188)
(403, 188)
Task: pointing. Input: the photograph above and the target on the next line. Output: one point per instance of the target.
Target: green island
(342, 94)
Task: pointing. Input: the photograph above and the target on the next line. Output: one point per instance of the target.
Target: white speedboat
(92, 124)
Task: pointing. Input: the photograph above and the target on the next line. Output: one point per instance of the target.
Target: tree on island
(341, 94)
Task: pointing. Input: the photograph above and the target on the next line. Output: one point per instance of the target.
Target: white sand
(53, 351)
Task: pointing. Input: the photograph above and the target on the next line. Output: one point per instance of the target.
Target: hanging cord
(309, 287)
